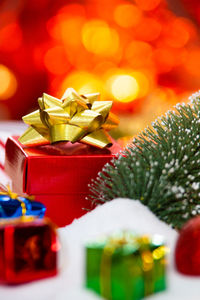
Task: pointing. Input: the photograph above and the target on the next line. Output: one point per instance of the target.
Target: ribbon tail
(32, 138)
(98, 138)
(111, 122)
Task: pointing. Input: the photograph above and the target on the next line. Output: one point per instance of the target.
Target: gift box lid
(55, 169)
(127, 242)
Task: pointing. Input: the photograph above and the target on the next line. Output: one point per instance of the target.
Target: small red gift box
(28, 251)
(57, 175)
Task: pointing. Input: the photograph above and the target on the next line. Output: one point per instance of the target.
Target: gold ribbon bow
(74, 118)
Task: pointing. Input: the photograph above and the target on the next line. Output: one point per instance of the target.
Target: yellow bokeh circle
(124, 88)
(8, 83)
(99, 38)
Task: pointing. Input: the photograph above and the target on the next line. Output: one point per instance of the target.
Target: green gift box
(126, 267)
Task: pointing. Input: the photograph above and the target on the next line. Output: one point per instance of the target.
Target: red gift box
(28, 251)
(57, 175)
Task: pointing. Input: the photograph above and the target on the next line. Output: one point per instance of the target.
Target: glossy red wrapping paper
(28, 251)
(57, 175)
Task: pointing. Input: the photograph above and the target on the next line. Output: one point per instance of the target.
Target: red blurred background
(143, 54)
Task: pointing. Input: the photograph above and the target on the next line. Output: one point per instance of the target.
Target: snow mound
(119, 214)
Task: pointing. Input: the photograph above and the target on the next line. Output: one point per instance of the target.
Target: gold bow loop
(74, 118)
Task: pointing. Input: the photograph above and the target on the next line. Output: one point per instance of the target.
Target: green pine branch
(161, 167)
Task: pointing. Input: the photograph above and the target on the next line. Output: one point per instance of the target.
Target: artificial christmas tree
(161, 167)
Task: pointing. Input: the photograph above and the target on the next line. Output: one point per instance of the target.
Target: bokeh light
(148, 4)
(8, 83)
(139, 54)
(127, 15)
(55, 60)
(193, 62)
(142, 54)
(124, 88)
(99, 38)
(176, 33)
(148, 29)
(164, 59)
(10, 37)
(83, 82)
(126, 85)
(143, 82)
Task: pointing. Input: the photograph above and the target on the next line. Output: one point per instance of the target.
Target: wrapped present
(14, 206)
(63, 149)
(28, 250)
(126, 267)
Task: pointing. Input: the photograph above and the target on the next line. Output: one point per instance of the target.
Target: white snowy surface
(115, 215)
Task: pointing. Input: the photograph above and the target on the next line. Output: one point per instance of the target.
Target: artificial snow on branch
(161, 167)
